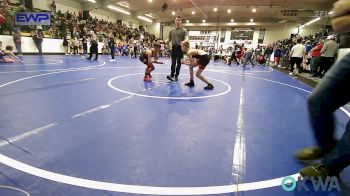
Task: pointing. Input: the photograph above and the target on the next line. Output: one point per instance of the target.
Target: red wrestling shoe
(147, 79)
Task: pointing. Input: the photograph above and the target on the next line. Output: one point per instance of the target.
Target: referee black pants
(176, 56)
(94, 50)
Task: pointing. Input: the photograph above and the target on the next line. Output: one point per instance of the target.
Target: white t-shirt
(298, 51)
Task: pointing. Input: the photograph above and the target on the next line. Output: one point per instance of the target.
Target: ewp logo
(32, 18)
(329, 184)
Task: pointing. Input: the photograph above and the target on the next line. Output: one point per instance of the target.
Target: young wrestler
(7, 56)
(199, 58)
(146, 58)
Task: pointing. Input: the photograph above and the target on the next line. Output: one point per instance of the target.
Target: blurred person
(296, 56)
(233, 55)
(111, 44)
(66, 45)
(315, 54)
(328, 52)
(328, 96)
(84, 42)
(277, 55)
(75, 44)
(38, 38)
(93, 45)
(248, 57)
(17, 41)
(267, 54)
(7, 55)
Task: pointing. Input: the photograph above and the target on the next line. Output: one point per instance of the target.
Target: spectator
(258, 52)
(125, 50)
(66, 45)
(233, 55)
(277, 55)
(328, 96)
(135, 48)
(308, 46)
(75, 44)
(53, 6)
(268, 53)
(315, 54)
(94, 45)
(84, 42)
(38, 40)
(111, 44)
(296, 56)
(17, 41)
(76, 27)
(328, 53)
(248, 58)
(2, 23)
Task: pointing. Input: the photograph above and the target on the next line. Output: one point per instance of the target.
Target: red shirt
(316, 51)
(2, 19)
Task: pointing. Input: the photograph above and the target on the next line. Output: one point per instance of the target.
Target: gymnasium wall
(153, 28)
(273, 34)
(134, 23)
(65, 5)
(62, 5)
(166, 31)
(103, 15)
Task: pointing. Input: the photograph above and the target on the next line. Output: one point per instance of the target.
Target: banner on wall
(242, 35)
(204, 38)
(32, 18)
(261, 36)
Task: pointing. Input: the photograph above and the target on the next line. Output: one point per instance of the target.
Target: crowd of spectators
(311, 54)
(73, 29)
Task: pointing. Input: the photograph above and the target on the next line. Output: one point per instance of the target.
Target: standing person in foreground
(328, 96)
(149, 57)
(196, 58)
(177, 35)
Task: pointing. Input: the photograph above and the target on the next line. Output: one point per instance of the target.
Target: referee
(176, 36)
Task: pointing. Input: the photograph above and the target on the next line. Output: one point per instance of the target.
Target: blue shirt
(124, 47)
(308, 48)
